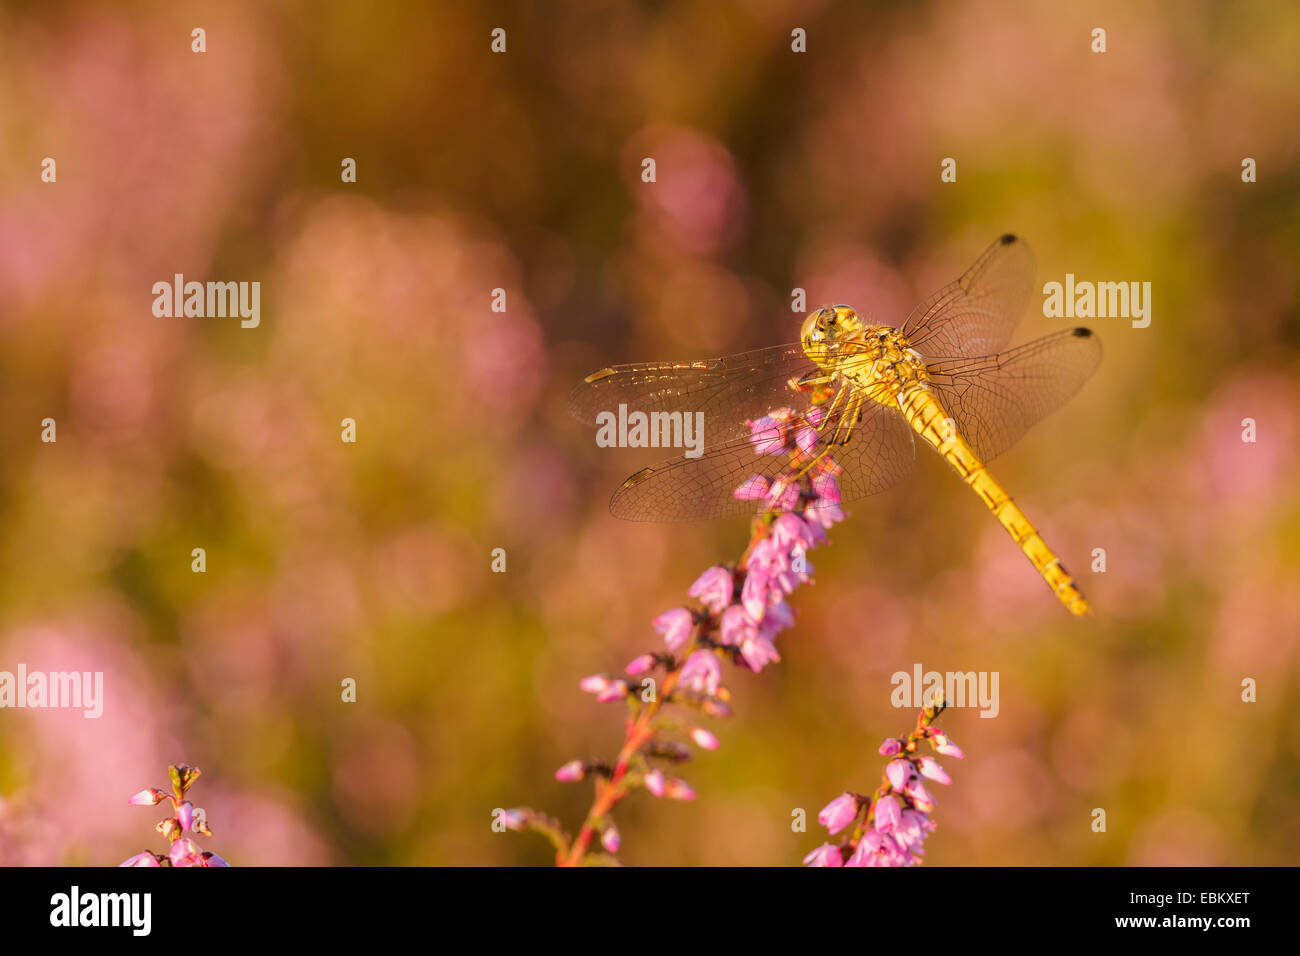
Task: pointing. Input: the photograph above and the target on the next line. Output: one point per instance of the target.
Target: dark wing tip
(1008, 238)
(1081, 332)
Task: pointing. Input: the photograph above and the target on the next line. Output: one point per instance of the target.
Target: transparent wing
(996, 398)
(976, 314)
(877, 455)
(729, 391)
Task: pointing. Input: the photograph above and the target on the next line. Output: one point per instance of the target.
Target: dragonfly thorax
(875, 358)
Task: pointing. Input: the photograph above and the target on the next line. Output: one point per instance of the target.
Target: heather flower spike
(897, 821)
(743, 608)
(186, 818)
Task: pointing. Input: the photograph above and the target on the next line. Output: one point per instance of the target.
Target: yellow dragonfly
(943, 375)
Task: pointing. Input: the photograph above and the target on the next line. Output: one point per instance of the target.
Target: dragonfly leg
(821, 383)
(847, 422)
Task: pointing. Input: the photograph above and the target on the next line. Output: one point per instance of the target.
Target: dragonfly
(944, 376)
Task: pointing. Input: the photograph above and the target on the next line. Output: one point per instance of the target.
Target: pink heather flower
(767, 435)
(898, 771)
(148, 797)
(141, 859)
(617, 690)
(678, 789)
(930, 769)
(824, 855)
(185, 852)
(878, 849)
(713, 589)
(758, 652)
(779, 616)
(865, 854)
(827, 488)
(655, 782)
(940, 742)
(839, 813)
(912, 829)
(791, 531)
(783, 495)
(805, 439)
(701, 673)
(514, 819)
(594, 684)
(825, 510)
(754, 592)
(676, 626)
(185, 815)
(211, 859)
(890, 747)
(921, 798)
(610, 839)
(888, 813)
(639, 665)
(572, 771)
(703, 739)
(751, 489)
(736, 625)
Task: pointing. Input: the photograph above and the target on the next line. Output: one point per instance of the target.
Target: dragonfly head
(825, 329)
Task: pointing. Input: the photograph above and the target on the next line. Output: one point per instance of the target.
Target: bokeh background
(520, 171)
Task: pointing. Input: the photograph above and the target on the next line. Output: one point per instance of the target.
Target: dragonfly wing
(996, 398)
(729, 391)
(877, 455)
(976, 314)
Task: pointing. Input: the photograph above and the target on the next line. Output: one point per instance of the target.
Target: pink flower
(704, 739)
(185, 815)
(767, 435)
(921, 798)
(898, 772)
(677, 789)
(752, 489)
(865, 853)
(839, 813)
(211, 859)
(713, 589)
(827, 488)
(779, 616)
(783, 495)
(736, 625)
(141, 859)
(754, 592)
(610, 839)
(676, 626)
(515, 819)
(758, 652)
(890, 747)
(930, 769)
(790, 531)
(701, 672)
(911, 830)
(888, 813)
(594, 684)
(185, 852)
(825, 855)
(940, 742)
(639, 665)
(572, 771)
(878, 849)
(148, 797)
(617, 690)
(655, 782)
(805, 439)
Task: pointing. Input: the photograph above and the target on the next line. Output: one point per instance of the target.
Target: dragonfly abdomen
(929, 419)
